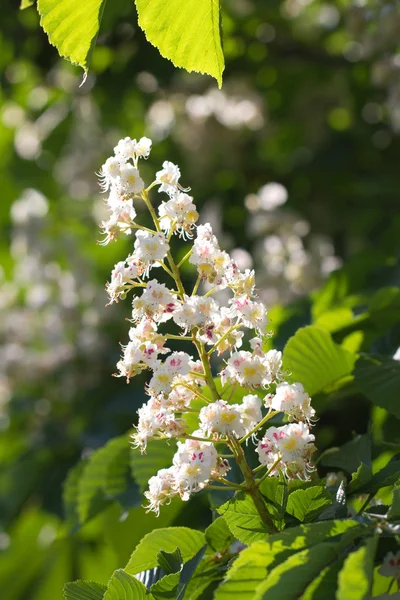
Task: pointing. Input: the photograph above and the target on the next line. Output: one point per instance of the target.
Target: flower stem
(260, 424)
(187, 255)
(251, 485)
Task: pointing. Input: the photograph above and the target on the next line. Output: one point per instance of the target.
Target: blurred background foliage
(294, 162)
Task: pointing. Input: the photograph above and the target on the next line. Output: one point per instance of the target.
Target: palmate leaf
(189, 542)
(312, 358)
(186, 32)
(72, 27)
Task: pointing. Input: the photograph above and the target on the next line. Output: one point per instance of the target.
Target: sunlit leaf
(187, 33)
(72, 27)
(355, 579)
(243, 519)
(84, 590)
(189, 542)
(312, 358)
(305, 505)
(124, 586)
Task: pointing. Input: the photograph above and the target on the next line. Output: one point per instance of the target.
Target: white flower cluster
(180, 384)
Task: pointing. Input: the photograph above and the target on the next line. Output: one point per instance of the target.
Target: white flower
(178, 363)
(196, 311)
(391, 565)
(162, 488)
(292, 400)
(168, 177)
(125, 149)
(130, 180)
(150, 247)
(143, 147)
(250, 412)
(156, 303)
(253, 314)
(178, 215)
(273, 359)
(293, 444)
(120, 220)
(194, 462)
(248, 369)
(155, 420)
(221, 418)
(109, 173)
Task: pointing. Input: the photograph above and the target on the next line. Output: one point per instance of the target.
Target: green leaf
(360, 478)
(288, 579)
(350, 455)
(243, 518)
(379, 380)
(305, 505)
(312, 358)
(123, 586)
(276, 493)
(106, 477)
(165, 588)
(355, 579)
(84, 590)
(254, 563)
(324, 585)
(394, 510)
(187, 33)
(70, 494)
(158, 456)
(219, 536)
(383, 478)
(26, 4)
(189, 542)
(170, 562)
(72, 27)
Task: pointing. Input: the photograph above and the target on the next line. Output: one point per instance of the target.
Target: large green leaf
(189, 542)
(312, 358)
(350, 455)
(254, 563)
(383, 478)
(288, 579)
(72, 27)
(243, 518)
(305, 505)
(324, 585)
(158, 456)
(218, 535)
(105, 477)
(84, 590)
(123, 586)
(355, 579)
(379, 380)
(187, 33)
